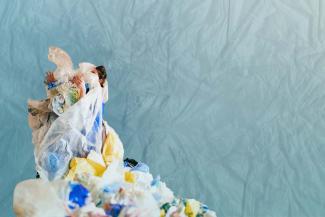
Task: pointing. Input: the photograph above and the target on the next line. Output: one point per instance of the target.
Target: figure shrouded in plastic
(79, 157)
(69, 123)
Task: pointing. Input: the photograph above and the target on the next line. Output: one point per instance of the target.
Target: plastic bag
(78, 128)
(75, 133)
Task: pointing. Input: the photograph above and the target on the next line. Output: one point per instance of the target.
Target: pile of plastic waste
(80, 159)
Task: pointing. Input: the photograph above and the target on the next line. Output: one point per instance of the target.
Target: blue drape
(224, 99)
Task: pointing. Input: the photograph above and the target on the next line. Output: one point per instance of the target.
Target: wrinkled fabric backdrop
(224, 99)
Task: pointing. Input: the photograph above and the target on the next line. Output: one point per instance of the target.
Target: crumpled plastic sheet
(71, 134)
(225, 99)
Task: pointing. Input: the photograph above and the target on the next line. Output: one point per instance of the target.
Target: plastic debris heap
(79, 157)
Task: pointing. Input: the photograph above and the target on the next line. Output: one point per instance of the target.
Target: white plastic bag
(75, 133)
(78, 127)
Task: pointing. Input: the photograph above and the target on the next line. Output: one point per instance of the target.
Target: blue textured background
(224, 99)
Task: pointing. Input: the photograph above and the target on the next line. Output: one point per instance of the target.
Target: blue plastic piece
(91, 137)
(142, 167)
(114, 210)
(155, 181)
(111, 188)
(55, 159)
(78, 195)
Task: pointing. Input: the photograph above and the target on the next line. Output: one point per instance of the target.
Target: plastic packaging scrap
(79, 157)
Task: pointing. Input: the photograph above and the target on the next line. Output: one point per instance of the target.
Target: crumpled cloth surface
(228, 93)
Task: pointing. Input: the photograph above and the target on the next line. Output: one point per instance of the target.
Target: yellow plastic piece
(96, 159)
(109, 152)
(192, 207)
(162, 213)
(129, 177)
(99, 169)
(79, 166)
(84, 165)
